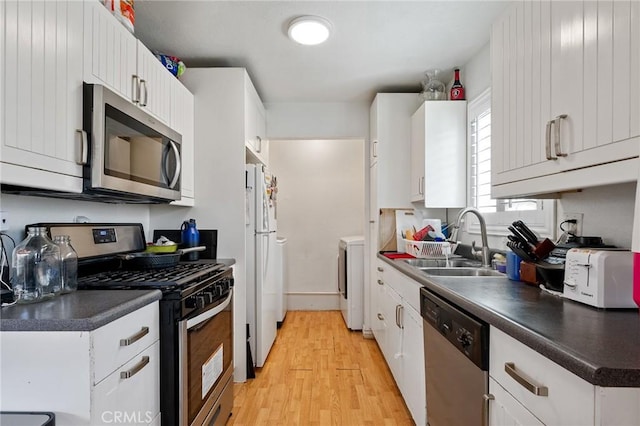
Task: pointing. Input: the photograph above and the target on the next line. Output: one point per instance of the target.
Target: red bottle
(457, 89)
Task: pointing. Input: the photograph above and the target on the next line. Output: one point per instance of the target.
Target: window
(499, 214)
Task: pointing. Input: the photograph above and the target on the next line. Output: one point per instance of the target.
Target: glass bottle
(68, 263)
(433, 88)
(35, 267)
(457, 89)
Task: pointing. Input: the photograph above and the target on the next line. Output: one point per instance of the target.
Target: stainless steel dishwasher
(456, 359)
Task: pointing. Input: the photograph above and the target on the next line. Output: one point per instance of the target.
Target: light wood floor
(320, 373)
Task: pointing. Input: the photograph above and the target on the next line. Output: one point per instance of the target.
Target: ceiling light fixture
(309, 30)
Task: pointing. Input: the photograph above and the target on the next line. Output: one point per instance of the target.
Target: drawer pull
(510, 368)
(380, 317)
(132, 372)
(380, 282)
(131, 340)
(380, 269)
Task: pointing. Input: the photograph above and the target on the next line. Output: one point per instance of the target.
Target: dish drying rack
(429, 249)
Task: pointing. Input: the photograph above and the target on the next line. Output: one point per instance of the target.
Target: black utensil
(521, 239)
(526, 231)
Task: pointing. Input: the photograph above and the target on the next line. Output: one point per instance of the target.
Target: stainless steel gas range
(196, 317)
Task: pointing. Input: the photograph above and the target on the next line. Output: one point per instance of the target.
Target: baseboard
(313, 301)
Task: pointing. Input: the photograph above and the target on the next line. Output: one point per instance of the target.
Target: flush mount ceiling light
(309, 30)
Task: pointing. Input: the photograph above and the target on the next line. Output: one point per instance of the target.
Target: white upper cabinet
(565, 94)
(116, 59)
(41, 86)
(439, 154)
(256, 142)
(182, 121)
(390, 132)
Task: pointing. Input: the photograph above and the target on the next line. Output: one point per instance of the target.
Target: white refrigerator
(261, 261)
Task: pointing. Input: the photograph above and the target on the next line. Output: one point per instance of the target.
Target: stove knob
(209, 296)
(190, 302)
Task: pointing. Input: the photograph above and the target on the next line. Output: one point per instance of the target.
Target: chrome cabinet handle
(399, 316)
(547, 141)
(525, 382)
(259, 149)
(558, 147)
(380, 317)
(374, 149)
(487, 398)
(135, 89)
(136, 369)
(84, 148)
(143, 83)
(380, 269)
(131, 340)
(380, 282)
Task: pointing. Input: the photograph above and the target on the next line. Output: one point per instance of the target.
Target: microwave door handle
(176, 175)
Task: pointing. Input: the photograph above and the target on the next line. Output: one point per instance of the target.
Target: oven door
(206, 364)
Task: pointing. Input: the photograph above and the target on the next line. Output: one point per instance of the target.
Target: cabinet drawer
(117, 342)
(569, 399)
(132, 400)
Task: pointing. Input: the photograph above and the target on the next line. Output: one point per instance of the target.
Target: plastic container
(68, 264)
(35, 267)
(190, 238)
(513, 266)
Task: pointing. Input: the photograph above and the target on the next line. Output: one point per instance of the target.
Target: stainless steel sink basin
(456, 262)
(462, 272)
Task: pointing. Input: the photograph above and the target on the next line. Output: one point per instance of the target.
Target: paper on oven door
(211, 370)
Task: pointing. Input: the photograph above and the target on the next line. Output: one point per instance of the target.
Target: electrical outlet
(573, 228)
(4, 221)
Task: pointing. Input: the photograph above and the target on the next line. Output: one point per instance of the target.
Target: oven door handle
(210, 313)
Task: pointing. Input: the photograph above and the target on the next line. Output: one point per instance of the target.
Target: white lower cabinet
(397, 327)
(517, 372)
(108, 375)
(506, 410)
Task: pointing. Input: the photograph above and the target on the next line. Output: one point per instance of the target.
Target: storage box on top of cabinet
(565, 97)
(439, 154)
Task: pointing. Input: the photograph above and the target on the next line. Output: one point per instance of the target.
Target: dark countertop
(600, 346)
(83, 310)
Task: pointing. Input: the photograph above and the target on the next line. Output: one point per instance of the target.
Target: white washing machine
(351, 280)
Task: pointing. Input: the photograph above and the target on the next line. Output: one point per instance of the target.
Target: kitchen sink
(462, 272)
(456, 262)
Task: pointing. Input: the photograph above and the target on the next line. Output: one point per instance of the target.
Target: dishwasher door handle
(526, 383)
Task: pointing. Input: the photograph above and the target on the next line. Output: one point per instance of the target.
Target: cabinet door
(373, 133)
(391, 308)
(41, 105)
(393, 148)
(377, 300)
(182, 121)
(417, 155)
(413, 378)
(135, 394)
(110, 51)
(155, 84)
(505, 410)
(564, 96)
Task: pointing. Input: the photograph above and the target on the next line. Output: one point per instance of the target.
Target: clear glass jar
(68, 263)
(432, 88)
(35, 267)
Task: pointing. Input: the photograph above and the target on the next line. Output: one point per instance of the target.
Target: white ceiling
(375, 46)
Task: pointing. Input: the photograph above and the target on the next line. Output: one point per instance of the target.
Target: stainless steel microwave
(133, 157)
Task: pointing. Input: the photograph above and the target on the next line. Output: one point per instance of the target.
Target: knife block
(529, 273)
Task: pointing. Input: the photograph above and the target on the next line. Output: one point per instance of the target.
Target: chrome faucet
(486, 259)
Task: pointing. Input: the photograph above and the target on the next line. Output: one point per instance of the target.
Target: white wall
(23, 210)
(317, 120)
(320, 199)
